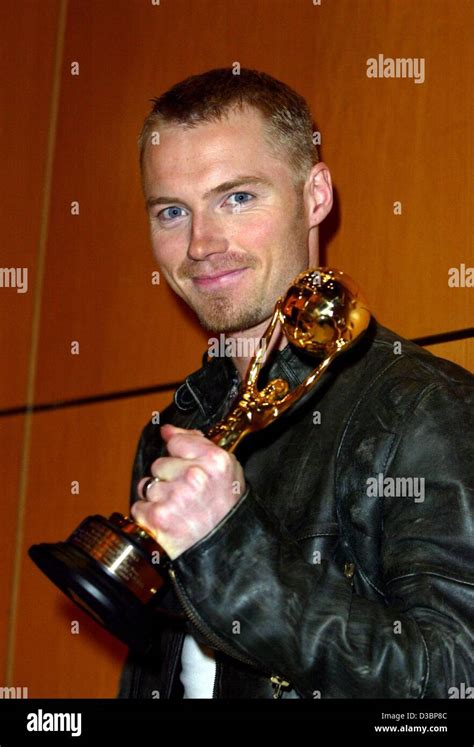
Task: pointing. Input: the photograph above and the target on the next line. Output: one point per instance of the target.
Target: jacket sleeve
(249, 585)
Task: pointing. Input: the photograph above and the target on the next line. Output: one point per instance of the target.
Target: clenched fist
(199, 484)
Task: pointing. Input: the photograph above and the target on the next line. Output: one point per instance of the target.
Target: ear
(318, 194)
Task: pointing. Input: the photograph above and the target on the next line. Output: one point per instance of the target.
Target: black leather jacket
(337, 591)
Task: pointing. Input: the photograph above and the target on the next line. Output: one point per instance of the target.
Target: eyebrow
(239, 181)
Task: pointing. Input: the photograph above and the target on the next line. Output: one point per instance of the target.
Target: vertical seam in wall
(35, 328)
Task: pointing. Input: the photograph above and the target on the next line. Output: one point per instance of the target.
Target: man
(331, 555)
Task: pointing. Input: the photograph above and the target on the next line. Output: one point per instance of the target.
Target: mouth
(219, 280)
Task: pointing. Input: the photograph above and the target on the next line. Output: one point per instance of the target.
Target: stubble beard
(220, 313)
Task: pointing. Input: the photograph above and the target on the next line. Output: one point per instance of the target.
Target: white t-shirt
(198, 669)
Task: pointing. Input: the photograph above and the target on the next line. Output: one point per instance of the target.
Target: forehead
(238, 140)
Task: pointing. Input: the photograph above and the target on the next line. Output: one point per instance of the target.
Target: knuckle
(155, 513)
(155, 465)
(178, 439)
(218, 461)
(175, 493)
(196, 477)
(164, 519)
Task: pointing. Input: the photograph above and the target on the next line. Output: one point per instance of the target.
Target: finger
(153, 491)
(167, 430)
(147, 490)
(188, 445)
(169, 467)
(140, 512)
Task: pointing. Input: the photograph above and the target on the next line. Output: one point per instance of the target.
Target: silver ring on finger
(151, 481)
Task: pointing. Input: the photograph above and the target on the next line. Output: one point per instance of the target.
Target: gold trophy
(113, 568)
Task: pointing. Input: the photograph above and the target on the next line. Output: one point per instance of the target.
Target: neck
(247, 342)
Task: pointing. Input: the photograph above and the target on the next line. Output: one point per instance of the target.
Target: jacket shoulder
(395, 373)
(411, 358)
(413, 417)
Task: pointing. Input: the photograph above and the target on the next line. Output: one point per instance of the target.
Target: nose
(207, 237)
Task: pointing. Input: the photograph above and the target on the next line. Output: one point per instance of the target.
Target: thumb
(168, 430)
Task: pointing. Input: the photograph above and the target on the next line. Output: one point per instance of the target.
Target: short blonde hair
(211, 95)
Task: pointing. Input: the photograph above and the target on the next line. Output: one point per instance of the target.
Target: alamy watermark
(234, 347)
(396, 487)
(464, 691)
(398, 67)
(7, 693)
(461, 277)
(14, 277)
(44, 721)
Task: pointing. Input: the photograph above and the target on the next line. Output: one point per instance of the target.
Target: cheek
(167, 250)
(167, 262)
(260, 230)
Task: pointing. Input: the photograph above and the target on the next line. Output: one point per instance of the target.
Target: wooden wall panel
(460, 352)
(94, 445)
(390, 140)
(26, 61)
(98, 287)
(11, 440)
(27, 64)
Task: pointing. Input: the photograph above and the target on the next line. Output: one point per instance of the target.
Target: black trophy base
(97, 592)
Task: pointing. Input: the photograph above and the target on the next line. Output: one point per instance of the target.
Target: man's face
(228, 230)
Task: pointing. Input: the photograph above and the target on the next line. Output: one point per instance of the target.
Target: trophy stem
(229, 433)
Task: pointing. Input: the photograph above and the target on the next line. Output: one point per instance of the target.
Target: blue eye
(238, 195)
(169, 213)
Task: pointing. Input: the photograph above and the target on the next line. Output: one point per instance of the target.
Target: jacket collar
(206, 388)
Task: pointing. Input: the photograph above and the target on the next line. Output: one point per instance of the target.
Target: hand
(200, 483)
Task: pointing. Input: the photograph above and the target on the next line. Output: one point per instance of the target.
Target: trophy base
(102, 597)
(107, 568)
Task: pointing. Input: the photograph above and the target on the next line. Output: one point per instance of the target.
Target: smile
(220, 280)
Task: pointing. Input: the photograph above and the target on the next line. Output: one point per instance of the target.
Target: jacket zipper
(278, 682)
(136, 679)
(178, 645)
(214, 687)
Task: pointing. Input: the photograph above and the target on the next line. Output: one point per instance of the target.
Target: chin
(229, 324)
